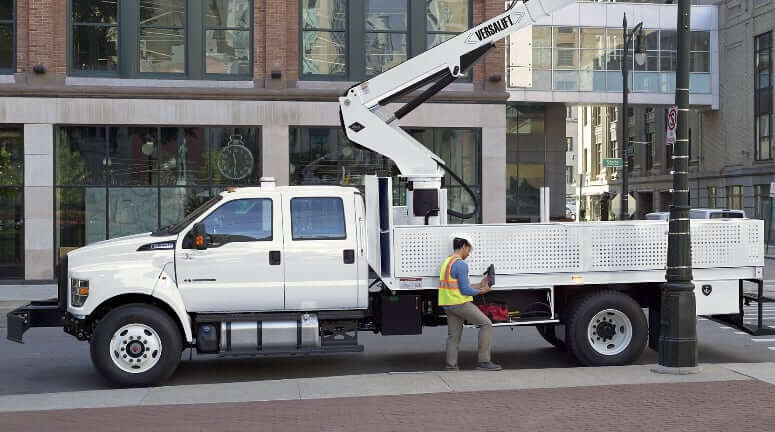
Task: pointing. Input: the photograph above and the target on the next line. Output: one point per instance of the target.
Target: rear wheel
(548, 333)
(606, 328)
(136, 345)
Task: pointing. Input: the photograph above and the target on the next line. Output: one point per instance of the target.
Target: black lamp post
(640, 58)
(678, 325)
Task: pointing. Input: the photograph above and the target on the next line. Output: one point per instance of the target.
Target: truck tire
(606, 328)
(547, 332)
(136, 345)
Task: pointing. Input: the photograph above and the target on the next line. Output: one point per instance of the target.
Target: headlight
(79, 292)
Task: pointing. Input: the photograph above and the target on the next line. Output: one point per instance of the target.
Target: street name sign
(613, 163)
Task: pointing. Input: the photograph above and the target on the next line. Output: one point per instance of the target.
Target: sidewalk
(630, 398)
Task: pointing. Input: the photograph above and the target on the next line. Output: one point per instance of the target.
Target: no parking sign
(672, 122)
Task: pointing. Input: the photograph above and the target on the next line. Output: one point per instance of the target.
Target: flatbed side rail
(738, 320)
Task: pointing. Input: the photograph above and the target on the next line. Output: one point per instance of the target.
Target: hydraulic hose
(468, 189)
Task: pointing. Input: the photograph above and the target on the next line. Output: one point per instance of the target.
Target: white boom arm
(366, 125)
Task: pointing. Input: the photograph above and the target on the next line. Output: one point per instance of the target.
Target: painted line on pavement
(771, 348)
(763, 340)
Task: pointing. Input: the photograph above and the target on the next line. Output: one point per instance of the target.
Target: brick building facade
(122, 115)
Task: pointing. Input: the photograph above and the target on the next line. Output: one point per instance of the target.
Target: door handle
(274, 258)
(349, 256)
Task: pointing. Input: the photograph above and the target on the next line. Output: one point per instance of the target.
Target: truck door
(241, 268)
(320, 251)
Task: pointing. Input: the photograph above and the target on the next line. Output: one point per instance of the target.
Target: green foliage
(11, 171)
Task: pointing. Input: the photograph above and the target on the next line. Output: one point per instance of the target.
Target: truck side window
(317, 218)
(241, 220)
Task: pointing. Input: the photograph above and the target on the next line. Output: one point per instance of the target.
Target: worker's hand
(484, 285)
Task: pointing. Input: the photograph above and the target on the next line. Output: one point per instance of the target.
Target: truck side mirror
(200, 236)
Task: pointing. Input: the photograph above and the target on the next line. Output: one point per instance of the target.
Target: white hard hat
(465, 236)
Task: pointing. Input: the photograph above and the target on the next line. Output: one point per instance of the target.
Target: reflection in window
(162, 36)
(240, 221)
(7, 47)
(317, 218)
(11, 203)
(524, 118)
(763, 96)
(445, 19)
(324, 34)
(587, 59)
(386, 34)
(114, 181)
(95, 36)
(322, 155)
(227, 36)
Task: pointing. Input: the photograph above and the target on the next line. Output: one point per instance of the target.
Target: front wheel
(136, 345)
(607, 328)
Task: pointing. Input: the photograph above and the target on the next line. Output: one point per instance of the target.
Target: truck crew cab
(302, 270)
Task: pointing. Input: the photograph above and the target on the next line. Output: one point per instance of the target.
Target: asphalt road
(51, 361)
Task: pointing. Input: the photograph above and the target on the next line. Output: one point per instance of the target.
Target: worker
(456, 297)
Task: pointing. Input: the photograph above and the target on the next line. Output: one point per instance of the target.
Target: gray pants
(455, 318)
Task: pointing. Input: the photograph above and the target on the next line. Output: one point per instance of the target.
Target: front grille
(62, 283)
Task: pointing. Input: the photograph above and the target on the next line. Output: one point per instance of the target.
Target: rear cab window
(318, 218)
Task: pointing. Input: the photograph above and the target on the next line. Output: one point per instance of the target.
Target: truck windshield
(178, 227)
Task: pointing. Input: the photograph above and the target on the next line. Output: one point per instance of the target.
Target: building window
(446, 19)
(598, 163)
(11, 203)
(712, 197)
(386, 42)
(525, 118)
(762, 201)
(650, 133)
(735, 197)
(523, 190)
(94, 37)
(324, 38)
(584, 59)
(763, 97)
(323, 155)
(569, 143)
(112, 181)
(228, 37)
(334, 44)
(161, 38)
(569, 178)
(7, 36)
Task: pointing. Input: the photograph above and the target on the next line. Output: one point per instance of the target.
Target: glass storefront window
(323, 155)
(11, 203)
(588, 59)
(114, 181)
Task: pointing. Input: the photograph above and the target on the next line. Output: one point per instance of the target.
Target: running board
(298, 352)
(519, 323)
(737, 320)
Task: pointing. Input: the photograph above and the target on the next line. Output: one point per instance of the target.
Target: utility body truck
(274, 270)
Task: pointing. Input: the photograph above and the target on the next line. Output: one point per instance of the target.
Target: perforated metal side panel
(575, 248)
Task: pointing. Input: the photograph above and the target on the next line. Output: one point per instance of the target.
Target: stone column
(494, 167)
(275, 152)
(39, 202)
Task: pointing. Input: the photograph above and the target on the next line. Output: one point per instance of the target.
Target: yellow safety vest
(449, 291)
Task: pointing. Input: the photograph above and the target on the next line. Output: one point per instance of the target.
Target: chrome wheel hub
(135, 348)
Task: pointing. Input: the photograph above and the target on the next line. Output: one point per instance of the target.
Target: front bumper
(43, 313)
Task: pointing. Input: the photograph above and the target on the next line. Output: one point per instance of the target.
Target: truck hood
(120, 252)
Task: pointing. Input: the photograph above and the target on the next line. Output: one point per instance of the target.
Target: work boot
(489, 366)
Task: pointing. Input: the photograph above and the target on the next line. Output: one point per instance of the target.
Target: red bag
(497, 312)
